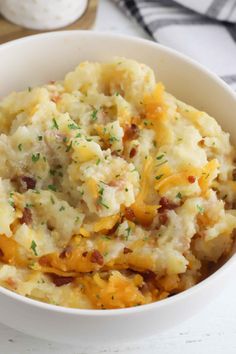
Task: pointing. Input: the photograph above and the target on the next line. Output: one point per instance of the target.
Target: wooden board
(10, 31)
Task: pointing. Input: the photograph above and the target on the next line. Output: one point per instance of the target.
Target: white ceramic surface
(38, 59)
(42, 14)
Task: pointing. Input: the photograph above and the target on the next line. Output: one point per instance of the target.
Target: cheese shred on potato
(113, 193)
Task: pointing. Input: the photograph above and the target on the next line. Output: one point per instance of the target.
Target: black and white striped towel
(202, 29)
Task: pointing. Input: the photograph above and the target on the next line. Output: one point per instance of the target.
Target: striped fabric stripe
(156, 16)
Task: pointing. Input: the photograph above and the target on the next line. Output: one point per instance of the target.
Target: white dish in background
(43, 14)
(38, 59)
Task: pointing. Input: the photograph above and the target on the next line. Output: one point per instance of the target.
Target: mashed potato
(113, 193)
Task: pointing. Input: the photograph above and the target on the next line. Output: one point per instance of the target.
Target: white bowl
(38, 59)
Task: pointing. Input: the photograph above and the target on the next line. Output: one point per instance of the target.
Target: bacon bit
(201, 142)
(113, 230)
(55, 98)
(234, 175)
(127, 250)
(129, 214)
(131, 132)
(149, 276)
(133, 152)
(11, 283)
(115, 153)
(26, 217)
(166, 205)
(59, 280)
(96, 257)
(66, 252)
(191, 179)
(52, 82)
(117, 183)
(163, 218)
(84, 254)
(44, 261)
(29, 182)
(1, 253)
(49, 226)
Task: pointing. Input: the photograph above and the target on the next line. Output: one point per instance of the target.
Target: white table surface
(211, 331)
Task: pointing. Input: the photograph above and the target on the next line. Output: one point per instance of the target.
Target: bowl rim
(154, 305)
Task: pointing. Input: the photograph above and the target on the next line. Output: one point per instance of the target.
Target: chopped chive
(159, 177)
(52, 187)
(162, 163)
(52, 200)
(33, 247)
(200, 209)
(69, 147)
(73, 126)
(98, 162)
(179, 195)
(94, 115)
(35, 157)
(160, 157)
(20, 147)
(40, 138)
(62, 208)
(55, 125)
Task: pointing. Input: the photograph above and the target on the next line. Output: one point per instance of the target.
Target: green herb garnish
(200, 209)
(159, 177)
(33, 247)
(52, 187)
(55, 125)
(35, 157)
(94, 115)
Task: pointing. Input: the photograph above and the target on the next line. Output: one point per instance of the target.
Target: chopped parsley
(35, 157)
(100, 198)
(77, 219)
(128, 230)
(78, 135)
(200, 209)
(94, 115)
(73, 126)
(33, 247)
(179, 195)
(162, 163)
(11, 202)
(62, 208)
(117, 94)
(52, 172)
(28, 205)
(55, 125)
(52, 200)
(69, 147)
(112, 139)
(98, 162)
(40, 138)
(160, 157)
(20, 147)
(29, 89)
(52, 187)
(126, 189)
(159, 177)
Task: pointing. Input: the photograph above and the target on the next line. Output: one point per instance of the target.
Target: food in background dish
(113, 193)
